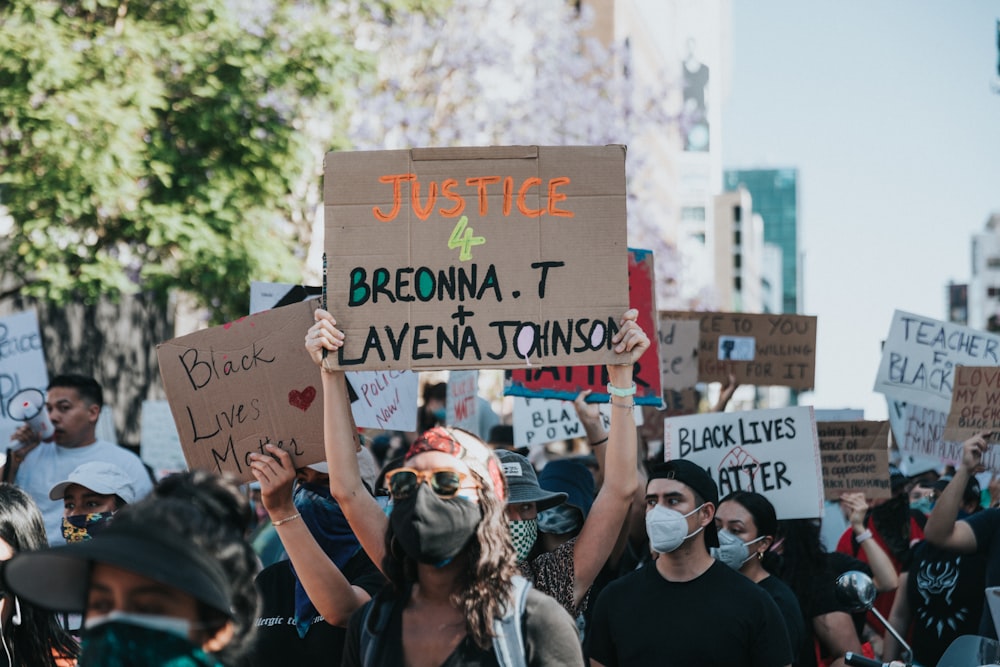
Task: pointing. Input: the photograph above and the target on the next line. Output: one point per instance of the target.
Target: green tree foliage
(147, 145)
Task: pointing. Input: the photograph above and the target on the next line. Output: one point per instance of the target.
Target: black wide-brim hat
(58, 578)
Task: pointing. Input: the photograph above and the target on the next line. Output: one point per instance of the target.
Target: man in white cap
(74, 403)
(91, 495)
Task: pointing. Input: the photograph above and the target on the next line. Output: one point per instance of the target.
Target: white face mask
(732, 550)
(180, 627)
(667, 528)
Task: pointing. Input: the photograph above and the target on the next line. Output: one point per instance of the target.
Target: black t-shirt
(788, 605)
(550, 638)
(720, 618)
(278, 642)
(944, 592)
(985, 526)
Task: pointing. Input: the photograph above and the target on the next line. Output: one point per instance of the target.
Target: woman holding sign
(446, 546)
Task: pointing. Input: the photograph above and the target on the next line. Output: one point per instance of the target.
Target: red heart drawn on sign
(302, 399)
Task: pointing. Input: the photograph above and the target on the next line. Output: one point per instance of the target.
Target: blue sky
(886, 109)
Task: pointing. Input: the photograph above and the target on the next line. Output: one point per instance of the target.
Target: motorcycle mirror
(855, 590)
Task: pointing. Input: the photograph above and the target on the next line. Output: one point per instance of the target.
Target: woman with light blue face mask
(747, 524)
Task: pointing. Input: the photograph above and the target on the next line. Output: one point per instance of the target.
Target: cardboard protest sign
(855, 457)
(236, 387)
(22, 365)
(773, 452)
(449, 258)
(565, 382)
(920, 355)
(540, 420)
(679, 340)
(680, 403)
(460, 401)
(975, 402)
(386, 400)
(774, 350)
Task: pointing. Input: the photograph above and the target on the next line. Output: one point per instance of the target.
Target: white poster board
(844, 415)
(923, 436)
(160, 446)
(387, 400)
(920, 355)
(773, 452)
(22, 364)
(541, 420)
(461, 404)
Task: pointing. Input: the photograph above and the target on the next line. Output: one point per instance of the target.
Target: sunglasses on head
(403, 482)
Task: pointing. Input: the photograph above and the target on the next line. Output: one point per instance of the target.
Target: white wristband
(867, 535)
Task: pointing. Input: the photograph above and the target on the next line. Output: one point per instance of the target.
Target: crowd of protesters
(446, 548)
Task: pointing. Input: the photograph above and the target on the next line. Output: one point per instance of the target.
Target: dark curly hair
(39, 638)
(485, 583)
(211, 510)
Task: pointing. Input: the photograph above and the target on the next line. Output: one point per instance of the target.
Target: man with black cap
(685, 608)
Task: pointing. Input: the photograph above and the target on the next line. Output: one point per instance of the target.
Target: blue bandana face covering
(329, 527)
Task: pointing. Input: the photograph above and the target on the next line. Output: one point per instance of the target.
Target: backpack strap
(373, 624)
(508, 633)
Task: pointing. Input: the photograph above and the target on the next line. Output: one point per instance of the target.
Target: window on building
(738, 283)
(693, 213)
(737, 237)
(737, 260)
(737, 213)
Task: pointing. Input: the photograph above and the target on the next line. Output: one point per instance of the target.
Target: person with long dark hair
(30, 636)
(747, 525)
(445, 547)
(804, 564)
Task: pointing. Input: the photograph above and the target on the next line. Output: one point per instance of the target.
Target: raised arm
(328, 589)
(836, 634)
(726, 392)
(340, 438)
(607, 515)
(884, 573)
(942, 529)
(589, 415)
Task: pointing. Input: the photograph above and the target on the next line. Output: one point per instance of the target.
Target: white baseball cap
(100, 477)
(366, 463)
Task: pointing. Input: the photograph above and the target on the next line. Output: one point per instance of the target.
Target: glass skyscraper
(775, 198)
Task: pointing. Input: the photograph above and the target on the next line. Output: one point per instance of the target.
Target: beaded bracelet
(281, 522)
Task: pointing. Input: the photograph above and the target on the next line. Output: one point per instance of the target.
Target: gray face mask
(732, 550)
(560, 520)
